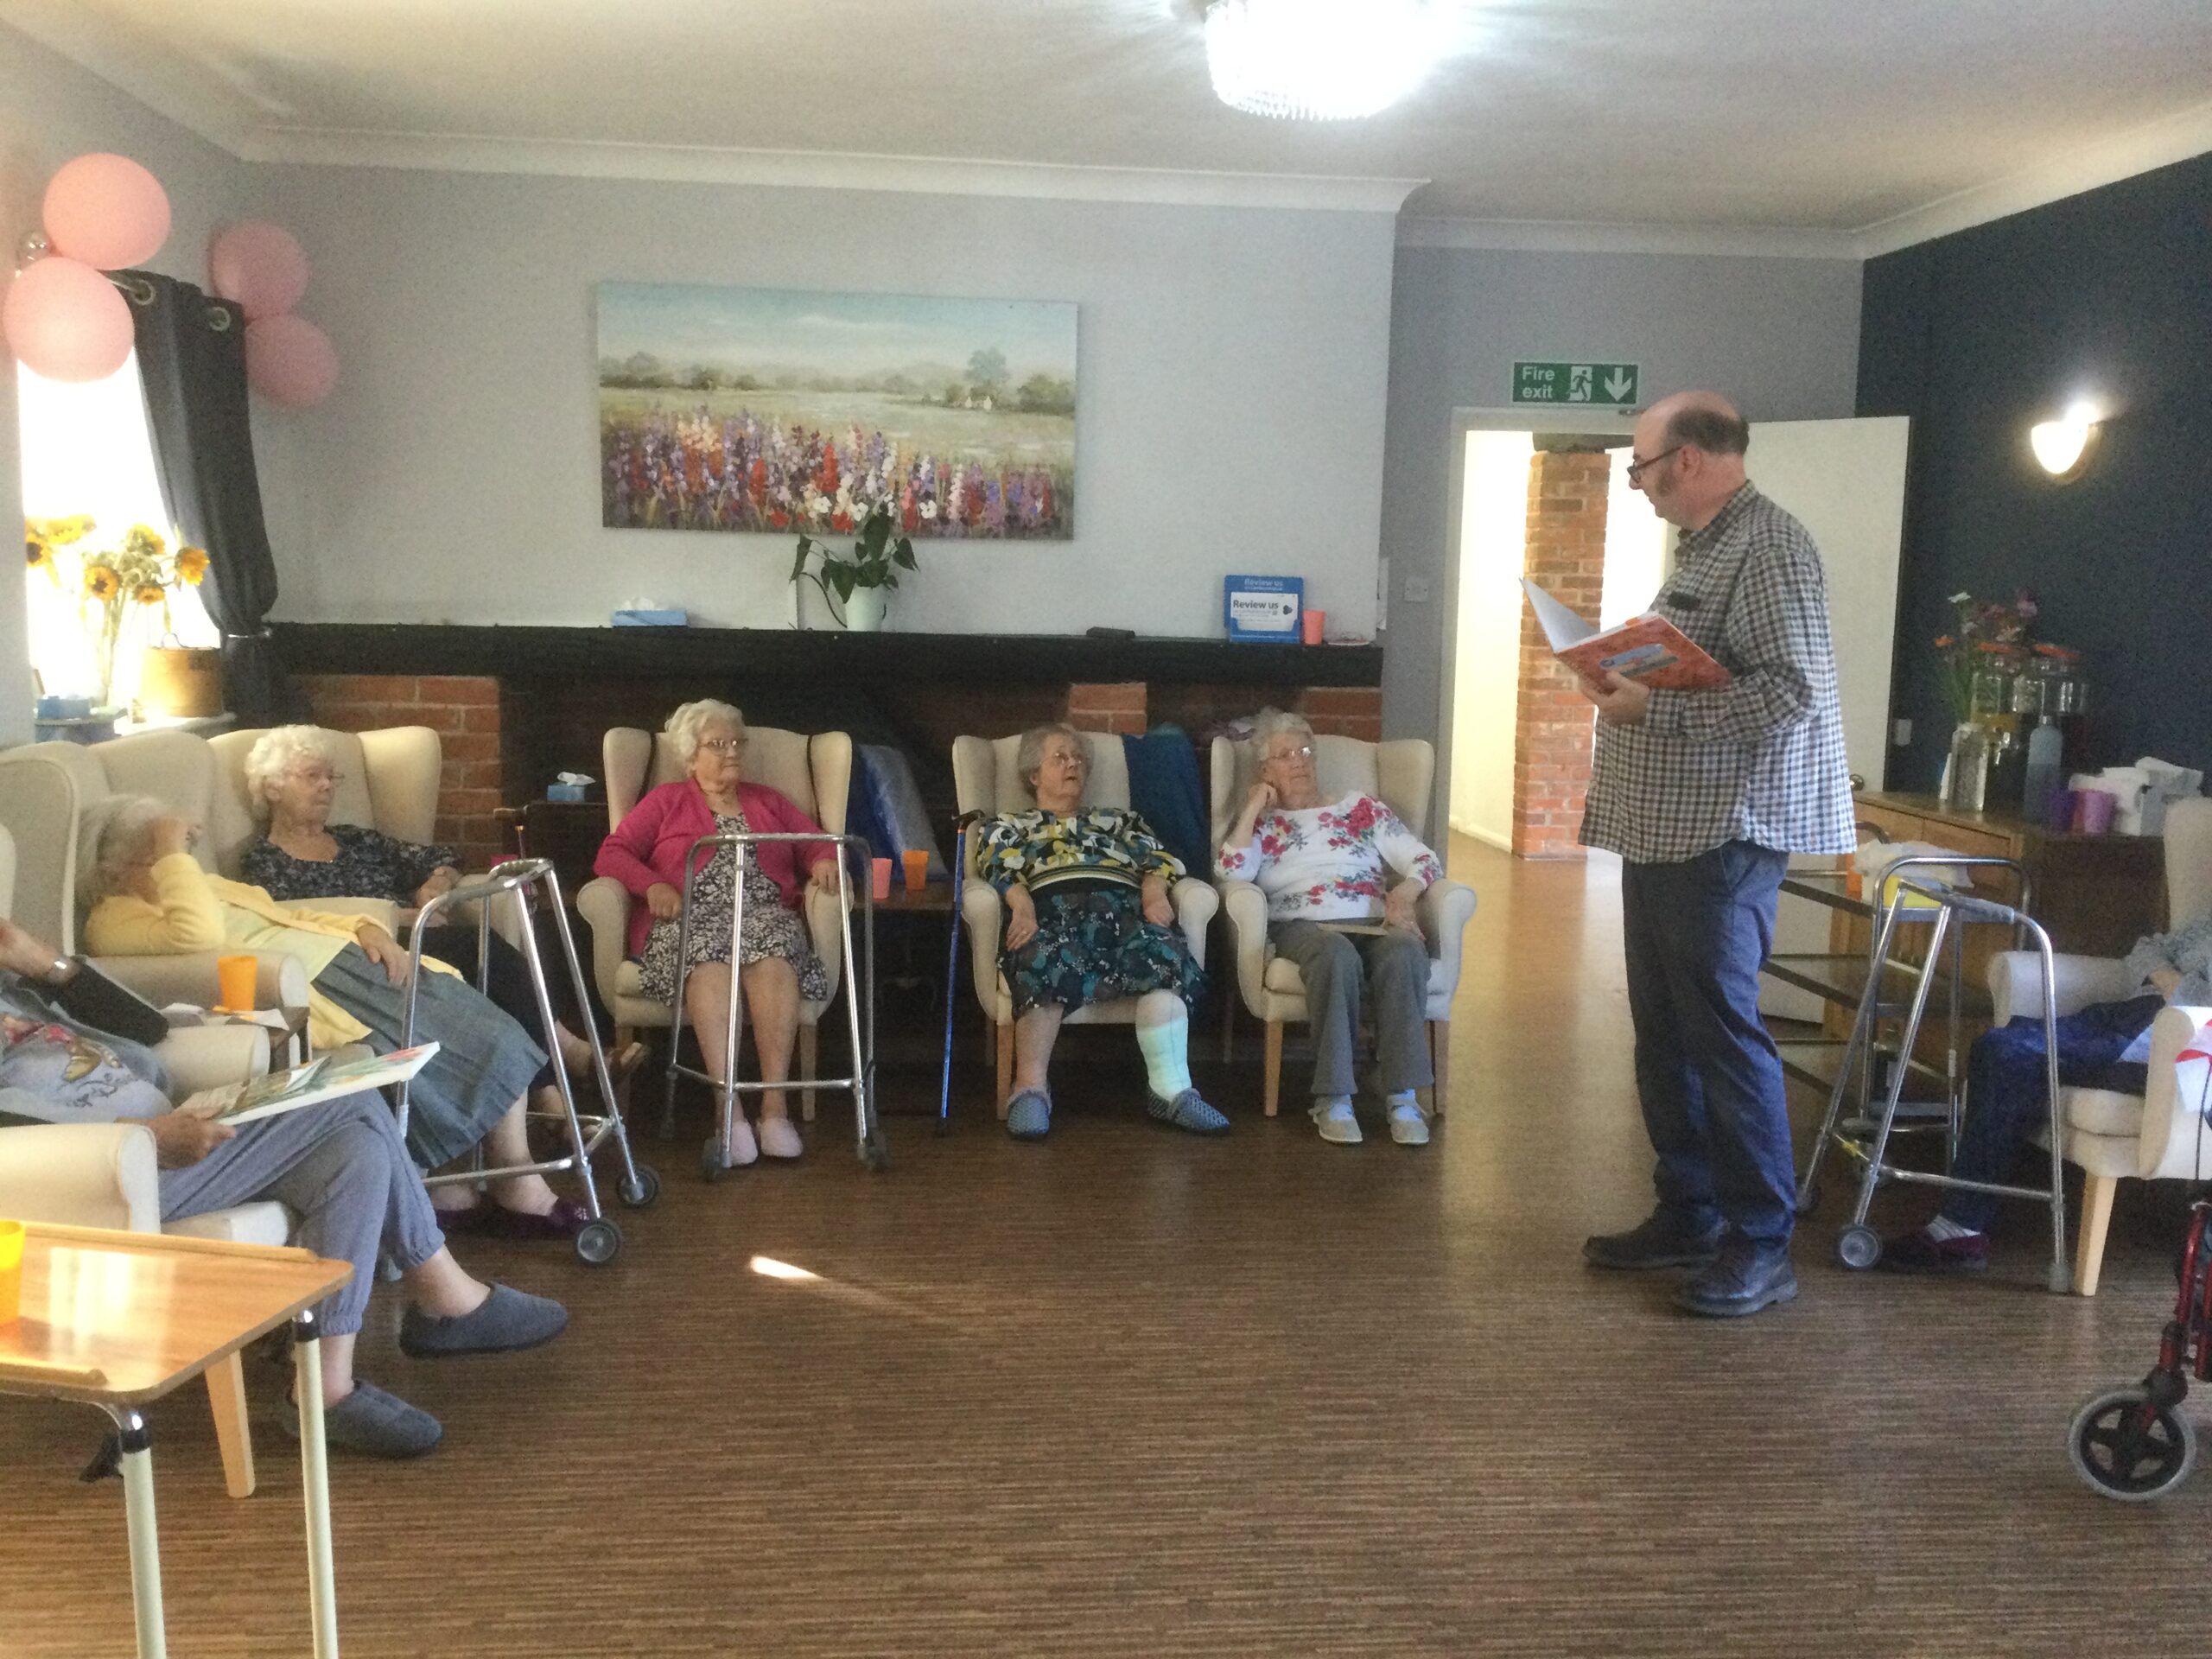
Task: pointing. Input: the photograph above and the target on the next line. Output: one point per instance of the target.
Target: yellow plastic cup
(12, 1271)
(237, 979)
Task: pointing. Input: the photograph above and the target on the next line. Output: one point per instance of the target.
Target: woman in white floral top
(1332, 870)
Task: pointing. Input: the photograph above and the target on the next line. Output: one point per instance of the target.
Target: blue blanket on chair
(1164, 788)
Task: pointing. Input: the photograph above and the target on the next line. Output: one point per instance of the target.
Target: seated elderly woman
(1332, 909)
(1089, 920)
(146, 895)
(777, 965)
(2104, 1046)
(338, 1166)
(291, 780)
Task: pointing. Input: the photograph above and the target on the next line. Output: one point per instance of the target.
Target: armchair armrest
(1246, 908)
(2177, 1140)
(205, 1057)
(983, 913)
(825, 926)
(1195, 903)
(281, 981)
(83, 1174)
(1445, 909)
(2016, 982)
(604, 903)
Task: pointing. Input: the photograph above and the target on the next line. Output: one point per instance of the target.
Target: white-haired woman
(291, 780)
(1342, 878)
(777, 966)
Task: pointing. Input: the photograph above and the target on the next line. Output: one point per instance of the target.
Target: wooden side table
(118, 1319)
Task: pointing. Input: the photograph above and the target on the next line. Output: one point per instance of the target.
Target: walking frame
(600, 1240)
(1858, 1245)
(860, 994)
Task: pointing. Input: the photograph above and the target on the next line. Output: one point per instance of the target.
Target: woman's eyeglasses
(727, 746)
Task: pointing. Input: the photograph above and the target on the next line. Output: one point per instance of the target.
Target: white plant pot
(866, 610)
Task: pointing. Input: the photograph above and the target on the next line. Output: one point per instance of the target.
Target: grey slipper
(1188, 1110)
(510, 1319)
(371, 1422)
(1028, 1114)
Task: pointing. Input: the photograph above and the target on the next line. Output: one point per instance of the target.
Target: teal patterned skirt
(1093, 944)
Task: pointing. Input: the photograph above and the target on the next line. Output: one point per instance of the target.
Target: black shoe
(1746, 1277)
(1658, 1241)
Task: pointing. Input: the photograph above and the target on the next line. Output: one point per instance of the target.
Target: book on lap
(304, 1085)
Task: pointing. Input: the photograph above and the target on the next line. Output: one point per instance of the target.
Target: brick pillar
(1565, 555)
(1120, 708)
(464, 711)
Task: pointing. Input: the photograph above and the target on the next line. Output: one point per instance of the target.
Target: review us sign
(1575, 383)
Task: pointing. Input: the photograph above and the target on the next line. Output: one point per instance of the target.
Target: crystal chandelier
(1319, 59)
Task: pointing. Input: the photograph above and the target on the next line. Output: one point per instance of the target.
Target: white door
(1844, 480)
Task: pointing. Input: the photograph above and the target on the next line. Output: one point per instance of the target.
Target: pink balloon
(65, 321)
(290, 361)
(259, 266)
(107, 211)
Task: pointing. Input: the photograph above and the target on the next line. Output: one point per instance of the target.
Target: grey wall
(1232, 386)
(50, 111)
(1780, 336)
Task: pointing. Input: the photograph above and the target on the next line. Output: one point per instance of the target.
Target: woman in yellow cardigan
(146, 895)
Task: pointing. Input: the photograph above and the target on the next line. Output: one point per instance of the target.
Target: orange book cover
(1648, 648)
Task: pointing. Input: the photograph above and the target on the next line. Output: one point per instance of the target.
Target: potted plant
(858, 589)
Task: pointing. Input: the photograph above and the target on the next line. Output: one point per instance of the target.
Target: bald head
(1689, 456)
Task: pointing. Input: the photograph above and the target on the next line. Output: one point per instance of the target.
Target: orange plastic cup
(1315, 624)
(12, 1271)
(237, 978)
(917, 869)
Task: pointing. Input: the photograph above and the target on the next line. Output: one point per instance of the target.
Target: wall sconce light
(2062, 447)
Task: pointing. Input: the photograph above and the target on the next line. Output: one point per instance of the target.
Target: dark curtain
(192, 360)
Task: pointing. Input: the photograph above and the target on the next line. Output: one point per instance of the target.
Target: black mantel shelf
(518, 653)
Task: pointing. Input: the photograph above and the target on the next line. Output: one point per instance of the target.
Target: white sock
(1942, 1228)
(1323, 1104)
(1401, 1097)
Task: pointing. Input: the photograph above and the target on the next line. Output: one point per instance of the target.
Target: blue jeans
(1706, 1071)
(2007, 1102)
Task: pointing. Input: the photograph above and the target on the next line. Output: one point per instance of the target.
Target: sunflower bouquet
(110, 583)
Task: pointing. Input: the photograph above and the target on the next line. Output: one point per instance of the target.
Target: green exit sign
(1575, 383)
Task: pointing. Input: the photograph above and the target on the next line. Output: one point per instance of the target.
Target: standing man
(1705, 795)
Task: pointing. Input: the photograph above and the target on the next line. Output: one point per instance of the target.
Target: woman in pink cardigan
(776, 966)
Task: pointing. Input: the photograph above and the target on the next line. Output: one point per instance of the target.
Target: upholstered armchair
(985, 781)
(1397, 773)
(2160, 1134)
(814, 771)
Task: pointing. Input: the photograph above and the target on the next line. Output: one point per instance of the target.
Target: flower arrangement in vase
(1990, 645)
(111, 584)
(858, 589)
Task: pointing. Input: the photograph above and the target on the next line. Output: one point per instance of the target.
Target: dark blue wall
(1979, 335)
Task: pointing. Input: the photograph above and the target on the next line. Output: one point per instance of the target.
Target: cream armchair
(1397, 773)
(985, 781)
(2159, 1134)
(104, 1175)
(814, 771)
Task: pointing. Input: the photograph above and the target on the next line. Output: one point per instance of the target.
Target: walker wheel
(873, 1153)
(640, 1193)
(599, 1244)
(1859, 1248)
(2128, 1447)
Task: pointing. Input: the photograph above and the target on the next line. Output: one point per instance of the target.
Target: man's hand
(1157, 909)
(181, 1142)
(2168, 980)
(384, 951)
(664, 901)
(1398, 910)
(1621, 701)
(444, 879)
(1020, 917)
(22, 952)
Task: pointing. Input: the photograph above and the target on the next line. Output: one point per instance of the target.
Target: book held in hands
(1648, 648)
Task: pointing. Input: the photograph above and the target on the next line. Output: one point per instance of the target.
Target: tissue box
(571, 792)
(650, 619)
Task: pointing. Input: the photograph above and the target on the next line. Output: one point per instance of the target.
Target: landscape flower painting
(759, 409)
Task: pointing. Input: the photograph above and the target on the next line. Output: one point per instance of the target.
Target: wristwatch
(62, 970)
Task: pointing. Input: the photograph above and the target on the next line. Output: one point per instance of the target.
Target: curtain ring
(218, 318)
(137, 289)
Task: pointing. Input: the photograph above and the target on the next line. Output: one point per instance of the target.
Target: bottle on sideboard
(2046, 769)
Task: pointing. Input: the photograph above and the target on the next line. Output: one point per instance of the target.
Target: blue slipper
(508, 1321)
(1188, 1111)
(1028, 1114)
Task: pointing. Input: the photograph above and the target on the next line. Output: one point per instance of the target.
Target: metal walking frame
(715, 1157)
(600, 1240)
(1858, 1245)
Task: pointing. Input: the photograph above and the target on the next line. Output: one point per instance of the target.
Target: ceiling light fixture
(2062, 447)
(1319, 60)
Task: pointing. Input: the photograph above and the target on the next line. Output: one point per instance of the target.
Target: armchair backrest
(1398, 774)
(38, 809)
(7, 874)
(2188, 859)
(387, 780)
(984, 779)
(814, 771)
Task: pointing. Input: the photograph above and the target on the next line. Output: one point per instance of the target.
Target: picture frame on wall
(1263, 609)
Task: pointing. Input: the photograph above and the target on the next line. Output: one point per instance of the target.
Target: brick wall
(1551, 750)
(464, 711)
(1119, 707)
(1344, 711)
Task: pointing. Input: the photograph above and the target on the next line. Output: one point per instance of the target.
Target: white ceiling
(1795, 125)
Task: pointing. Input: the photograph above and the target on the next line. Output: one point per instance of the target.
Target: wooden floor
(1128, 1392)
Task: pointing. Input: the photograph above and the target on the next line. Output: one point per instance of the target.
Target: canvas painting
(760, 410)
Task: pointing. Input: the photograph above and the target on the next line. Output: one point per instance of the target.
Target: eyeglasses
(731, 746)
(1636, 469)
(1303, 752)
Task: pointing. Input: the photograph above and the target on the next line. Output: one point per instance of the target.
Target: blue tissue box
(651, 619)
(567, 792)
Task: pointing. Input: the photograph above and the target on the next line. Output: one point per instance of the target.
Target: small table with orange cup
(119, 1319)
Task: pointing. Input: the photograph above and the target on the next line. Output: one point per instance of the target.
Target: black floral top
(370, 865)
(1111, 844)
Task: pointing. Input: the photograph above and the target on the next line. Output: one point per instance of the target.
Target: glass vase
(1966, 777)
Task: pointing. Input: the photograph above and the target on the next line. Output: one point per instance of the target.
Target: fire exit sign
(1575, 383)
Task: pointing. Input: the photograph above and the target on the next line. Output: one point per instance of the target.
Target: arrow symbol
(1619, 384)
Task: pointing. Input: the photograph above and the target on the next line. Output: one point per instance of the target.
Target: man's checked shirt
(1760, 758)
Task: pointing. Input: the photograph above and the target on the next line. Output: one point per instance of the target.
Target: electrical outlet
(1900, 734)
(1417, 590)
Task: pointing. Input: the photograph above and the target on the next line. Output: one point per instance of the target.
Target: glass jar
(1965, 775)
